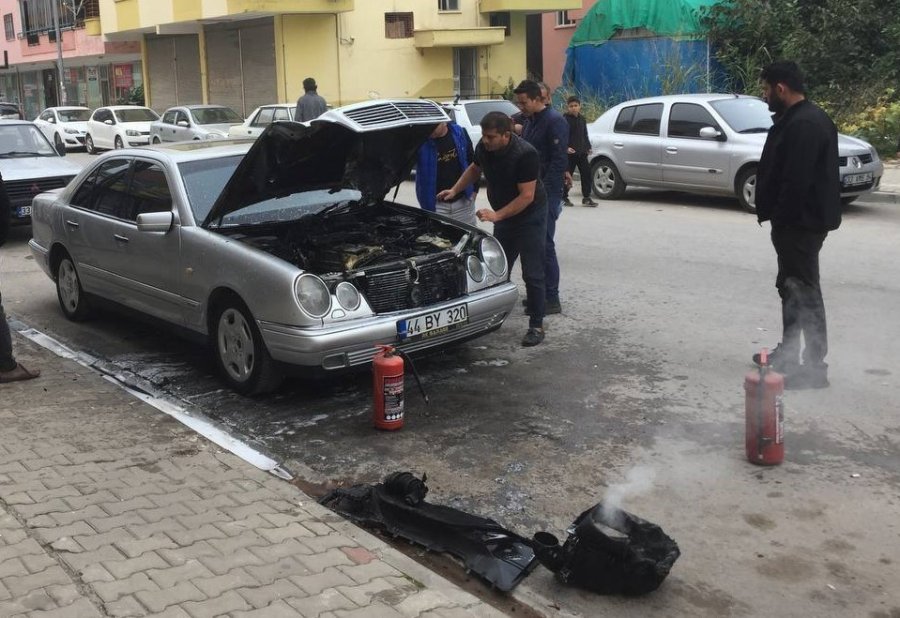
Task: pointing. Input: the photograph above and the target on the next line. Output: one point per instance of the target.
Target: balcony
(236, 7)
(458, 37)
(528, 6)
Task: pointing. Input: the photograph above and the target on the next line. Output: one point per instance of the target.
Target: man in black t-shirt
(442, 159)
(511, 168)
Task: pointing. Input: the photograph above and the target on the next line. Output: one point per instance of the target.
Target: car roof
(703, 96)
(13, 121)
(198, 106)
(180, 152)
(65, 107)
(118, 107)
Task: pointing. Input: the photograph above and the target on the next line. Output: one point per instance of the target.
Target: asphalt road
(665, 298)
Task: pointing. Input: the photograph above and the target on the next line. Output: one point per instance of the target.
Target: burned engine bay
(399, 258)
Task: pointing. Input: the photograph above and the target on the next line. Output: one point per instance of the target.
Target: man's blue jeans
(551, 264)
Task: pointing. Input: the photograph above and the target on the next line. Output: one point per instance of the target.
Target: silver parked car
(283, 251)
(262, 117)
(702, 143)
(193, 122)
(30, 165)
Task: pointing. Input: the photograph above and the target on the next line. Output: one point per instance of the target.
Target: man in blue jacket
(798, 189)
(443, 158)
(547, 130)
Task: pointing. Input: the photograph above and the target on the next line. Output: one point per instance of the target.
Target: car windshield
(24, 140)
(73, 115)
(138, 114)
(745, 114)
(204, 180)
(477, 111)
(216, 115)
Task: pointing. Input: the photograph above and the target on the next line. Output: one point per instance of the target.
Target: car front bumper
(355, 343)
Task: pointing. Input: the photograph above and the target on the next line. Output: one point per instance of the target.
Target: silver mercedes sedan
(283, 252)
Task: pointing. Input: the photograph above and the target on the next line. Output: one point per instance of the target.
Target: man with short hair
(310, 105)
(518, 207)
(547, 130)
(579, 149)
(798, 190)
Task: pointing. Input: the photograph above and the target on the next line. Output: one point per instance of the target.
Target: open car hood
(368, 146)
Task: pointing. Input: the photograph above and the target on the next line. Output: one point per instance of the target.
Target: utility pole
(59, 57)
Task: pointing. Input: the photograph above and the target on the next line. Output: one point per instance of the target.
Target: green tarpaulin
(671, 18)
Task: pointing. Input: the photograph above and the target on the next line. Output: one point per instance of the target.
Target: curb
(879, 197)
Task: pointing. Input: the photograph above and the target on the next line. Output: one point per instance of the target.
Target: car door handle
(71, 223)
(120, 238)
(671, 149)
(618, 144)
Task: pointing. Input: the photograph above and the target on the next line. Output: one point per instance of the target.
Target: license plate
(23, 211)
(857, 179)
(432, 324)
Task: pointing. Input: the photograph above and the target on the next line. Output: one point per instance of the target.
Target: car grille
(21, 192)
(389, 113)
(428, 282)
(863, 158)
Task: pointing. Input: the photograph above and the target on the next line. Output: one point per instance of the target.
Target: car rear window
(477, 111)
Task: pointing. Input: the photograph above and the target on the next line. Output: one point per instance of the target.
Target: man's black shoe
(567, 202)
(588, 202)
(533, 337)
(806, 377)
(776, 356)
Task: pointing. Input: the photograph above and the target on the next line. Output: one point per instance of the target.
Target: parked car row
(120, 126)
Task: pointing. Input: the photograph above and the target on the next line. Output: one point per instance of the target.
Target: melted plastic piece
(496, 554)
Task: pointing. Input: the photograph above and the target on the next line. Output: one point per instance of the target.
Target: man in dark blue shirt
(547, 130)
(518, 207)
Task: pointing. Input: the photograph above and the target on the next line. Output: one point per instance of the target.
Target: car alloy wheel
(71, 295)
(118, 143)
(89, 144)
(745, 188)
(57, 141)
(240, 352)
(606, 180)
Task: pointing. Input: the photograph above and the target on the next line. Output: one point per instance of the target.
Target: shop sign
(92, 74)
(122, 76)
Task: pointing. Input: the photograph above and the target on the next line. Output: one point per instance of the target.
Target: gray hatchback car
(702, 143)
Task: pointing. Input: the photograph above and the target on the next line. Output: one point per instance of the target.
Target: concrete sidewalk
(889, 188)
(109, 507)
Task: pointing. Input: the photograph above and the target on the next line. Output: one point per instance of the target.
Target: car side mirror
(712, 133)
(51, 120)
(183, 123)
(155, 221)
(109, 122)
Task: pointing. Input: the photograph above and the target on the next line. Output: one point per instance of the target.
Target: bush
(878, 123)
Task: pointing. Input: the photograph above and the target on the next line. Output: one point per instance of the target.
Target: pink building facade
(95, 72)
(557, 29)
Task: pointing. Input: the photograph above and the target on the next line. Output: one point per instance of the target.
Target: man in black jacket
(579, 149)
(798, 190)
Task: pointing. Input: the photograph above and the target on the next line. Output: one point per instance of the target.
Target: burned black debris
(397, 506)
(616, 553)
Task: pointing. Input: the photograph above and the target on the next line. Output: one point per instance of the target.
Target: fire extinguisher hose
(412, 366)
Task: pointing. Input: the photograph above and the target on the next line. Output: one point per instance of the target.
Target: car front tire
(58, 143)
(606, 180)
(156, 140)
(89, 144)
(72, 299)
(239, 350)
(745, 189)
(118, 143)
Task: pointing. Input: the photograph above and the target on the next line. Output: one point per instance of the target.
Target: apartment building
(95, 71)
(243, 53)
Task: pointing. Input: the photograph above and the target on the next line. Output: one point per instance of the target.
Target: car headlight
(313, 295)
(874, 153)
(492, 255)
(475, 268)
(347, 295)
(132, 133)
(71, 130)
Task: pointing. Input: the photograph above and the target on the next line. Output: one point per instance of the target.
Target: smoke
(638, 480)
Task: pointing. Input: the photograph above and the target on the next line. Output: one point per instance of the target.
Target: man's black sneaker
(533, 337)
(588, 202)
(806, 377)
(567, 202)
(776, 356)
(552, 306)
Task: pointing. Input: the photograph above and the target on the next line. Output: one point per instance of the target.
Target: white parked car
(468, 113)
(64, 126)
(262, 117)
(193, 122)
(118, 126)
(30, 165)
(702, 143)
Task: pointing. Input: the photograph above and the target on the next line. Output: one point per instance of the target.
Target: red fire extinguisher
(387, 383)
(764, 391)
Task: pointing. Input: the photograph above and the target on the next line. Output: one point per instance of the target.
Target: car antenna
(456, 99)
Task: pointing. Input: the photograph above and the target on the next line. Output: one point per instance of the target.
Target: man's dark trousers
(802, 307)
(551, 262)
(580, 161)
(527, 240)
